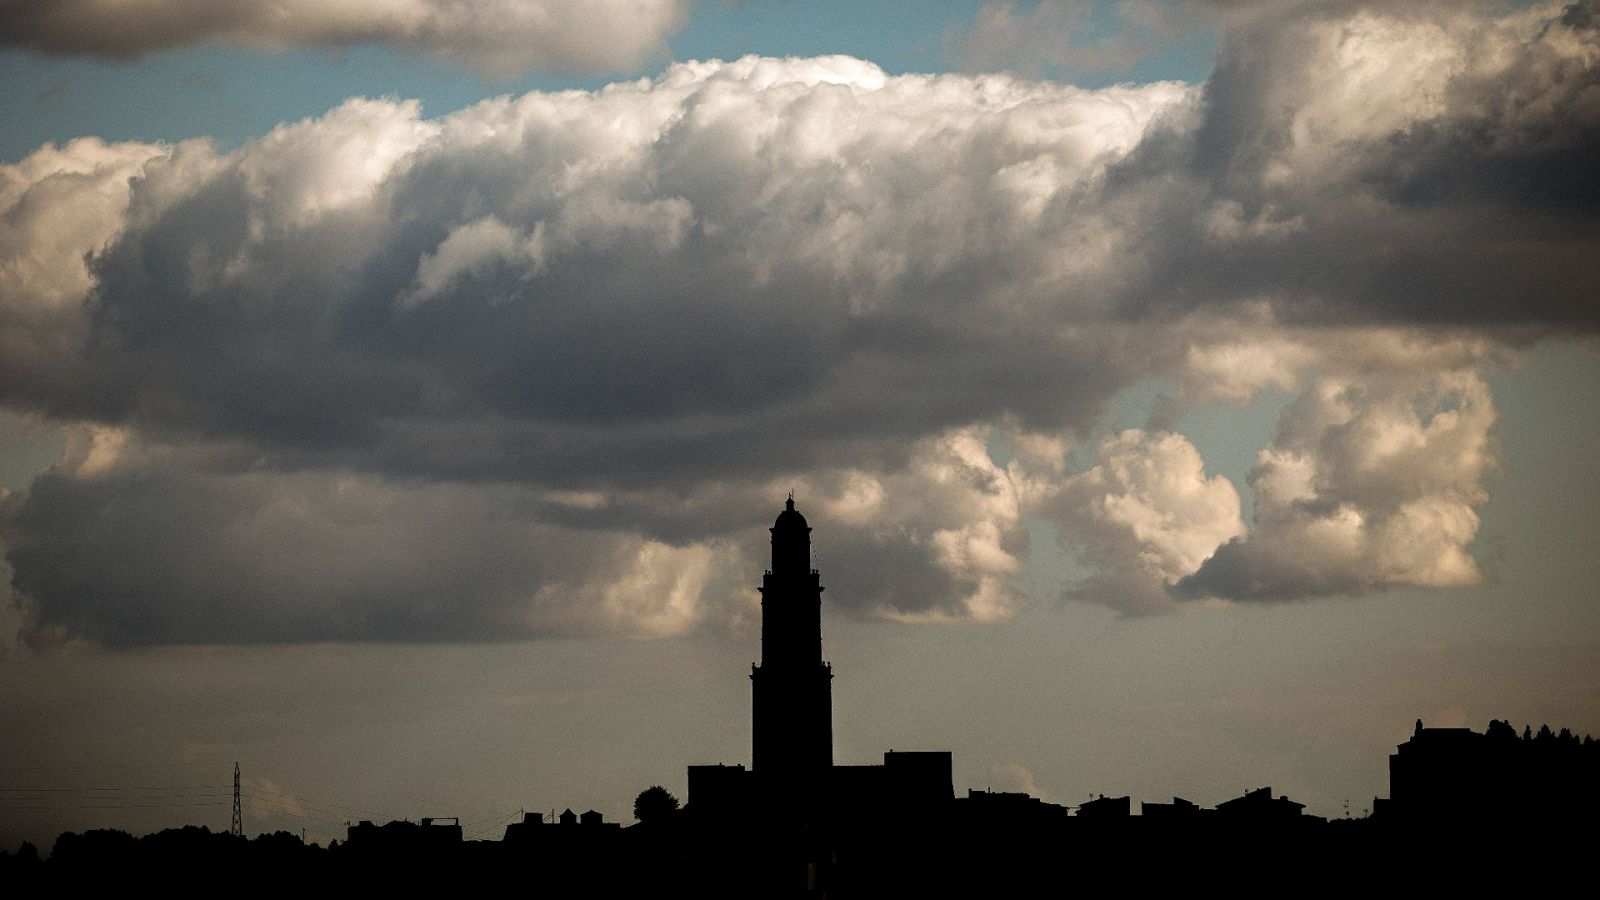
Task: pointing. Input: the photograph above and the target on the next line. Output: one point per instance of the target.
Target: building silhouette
(1178, 810)
(1106, 808)
(791, 703)
(422, 837)
(792, 776)
(1260, 806)
(1459, 776)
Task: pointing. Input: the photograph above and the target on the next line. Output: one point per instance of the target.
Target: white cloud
(473, 248)
(1371, 483)
(937, 539)
(1144, 517)
(658, 592)
(1013, 776)
(58, 205)
(306, 170)
(1238, 370)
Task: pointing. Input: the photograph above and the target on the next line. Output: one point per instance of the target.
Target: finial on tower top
(789, 504)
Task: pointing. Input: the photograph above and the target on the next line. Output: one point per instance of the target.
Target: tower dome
(790, 517)
(791, 541)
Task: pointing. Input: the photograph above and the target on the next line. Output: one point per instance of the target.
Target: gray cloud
(496, 37)
(581, 342)
(132, 545)
(125, 542)
(1358, 162)
(633, 298)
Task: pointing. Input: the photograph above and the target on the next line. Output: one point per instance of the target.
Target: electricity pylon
(237, 828)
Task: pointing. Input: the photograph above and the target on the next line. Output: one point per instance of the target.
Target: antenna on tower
(237, 828)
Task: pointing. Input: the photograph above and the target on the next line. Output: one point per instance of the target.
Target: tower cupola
(791, 542)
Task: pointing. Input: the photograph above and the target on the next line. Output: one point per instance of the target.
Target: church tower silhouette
(792, 705)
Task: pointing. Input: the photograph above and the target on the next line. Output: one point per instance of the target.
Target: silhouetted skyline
(394, 402)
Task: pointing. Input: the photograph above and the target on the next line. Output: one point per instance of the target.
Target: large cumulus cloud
(496, 37)
(1144, 516)
(667, 300)
(1371, 482)
(689, 271)
(564, 352)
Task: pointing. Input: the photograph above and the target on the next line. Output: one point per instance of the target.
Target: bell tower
(792, 704)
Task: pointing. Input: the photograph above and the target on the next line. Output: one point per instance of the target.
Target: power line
(79, 802)
(153, 805)
(349, 785)
(259, 793)
(85, 790)
(503, 819)
(105, 797)
(105, 766)
(432, 801)
(99, 805)
(181, 796)
(270, 811)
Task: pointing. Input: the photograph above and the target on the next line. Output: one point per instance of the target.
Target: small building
(429, 835)
(527, 830)
(721, 793)
(1179, 809)
(1103, 807)
(1259, 806)
(1008, 806)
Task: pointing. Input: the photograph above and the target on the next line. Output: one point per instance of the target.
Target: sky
(394, 396)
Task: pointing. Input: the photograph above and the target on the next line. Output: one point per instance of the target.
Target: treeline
(105, 851)
(1500, 731)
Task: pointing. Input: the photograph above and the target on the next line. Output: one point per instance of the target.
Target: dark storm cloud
(581, 343)
(1519, 138)
(497, 37)
(1369, 163)
(131, 544)
(160, 553)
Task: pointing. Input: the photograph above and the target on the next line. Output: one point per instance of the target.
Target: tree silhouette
(654, 804)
